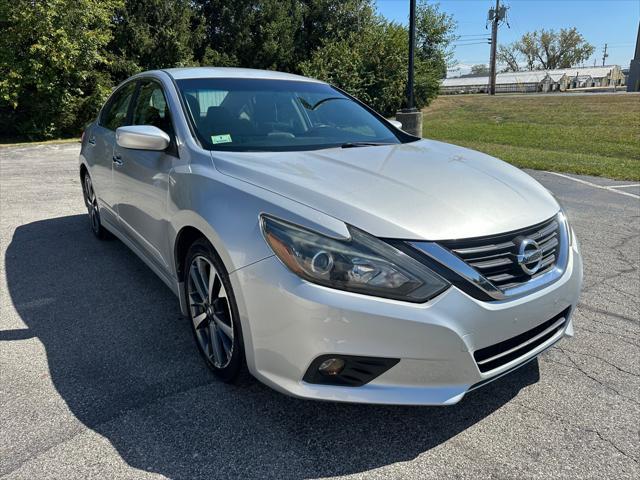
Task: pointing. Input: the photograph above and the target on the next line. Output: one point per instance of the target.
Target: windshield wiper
(308, 106)
(364, 144)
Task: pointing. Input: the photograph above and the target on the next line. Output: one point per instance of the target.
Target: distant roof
(228, 72)
(555, 76)
(596, 72)
(501, 79)
(534, 76)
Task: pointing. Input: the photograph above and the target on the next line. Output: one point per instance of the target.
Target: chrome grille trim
(515, 348)
(558, 323)
(553, 267)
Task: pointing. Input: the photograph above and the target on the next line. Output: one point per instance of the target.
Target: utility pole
(494, 46)
(605, 54)
(496, 16)
(412, 45)
(411, 117)
(633, 82)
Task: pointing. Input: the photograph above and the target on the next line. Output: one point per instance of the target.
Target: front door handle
(117, 159)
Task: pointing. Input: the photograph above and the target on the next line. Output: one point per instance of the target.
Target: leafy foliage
(480, 70)
(52, 62)
(59, 59)
(249, 33)
(434, 35)
(153, 34)
(371, 63)
(275, 34)
(547, 50)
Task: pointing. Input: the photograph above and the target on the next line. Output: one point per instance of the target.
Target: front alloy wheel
(212, 311)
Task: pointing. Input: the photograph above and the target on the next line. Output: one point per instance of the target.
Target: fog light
(331, 366)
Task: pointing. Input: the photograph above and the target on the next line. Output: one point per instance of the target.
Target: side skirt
(175, 287)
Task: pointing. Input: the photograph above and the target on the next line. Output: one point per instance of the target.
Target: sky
(614, 22)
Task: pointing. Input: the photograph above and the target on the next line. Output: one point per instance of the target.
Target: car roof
(229, 72)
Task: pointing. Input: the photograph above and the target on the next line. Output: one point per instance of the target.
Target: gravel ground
(100, 379)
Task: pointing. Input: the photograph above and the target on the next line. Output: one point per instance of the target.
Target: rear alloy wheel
(213, 312)
(91, 203)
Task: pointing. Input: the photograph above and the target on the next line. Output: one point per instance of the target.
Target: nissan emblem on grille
(529, 256)
(506, 264)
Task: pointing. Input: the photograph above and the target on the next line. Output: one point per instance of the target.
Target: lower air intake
(499, 354)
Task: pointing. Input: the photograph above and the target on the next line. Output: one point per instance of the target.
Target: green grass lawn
(587, 134)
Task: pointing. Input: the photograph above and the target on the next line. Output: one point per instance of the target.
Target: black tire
(91, 202)
(234, 370)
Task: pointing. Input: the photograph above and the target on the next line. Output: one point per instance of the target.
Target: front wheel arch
(185, 238)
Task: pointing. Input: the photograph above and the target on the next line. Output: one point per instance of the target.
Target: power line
(485, 42)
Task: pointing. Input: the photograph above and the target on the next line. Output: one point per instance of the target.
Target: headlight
(563, 216)
(361, 264)
(573, 240)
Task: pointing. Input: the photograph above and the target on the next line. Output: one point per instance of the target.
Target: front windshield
(273, 115)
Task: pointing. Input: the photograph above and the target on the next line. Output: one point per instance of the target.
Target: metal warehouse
(538, 81)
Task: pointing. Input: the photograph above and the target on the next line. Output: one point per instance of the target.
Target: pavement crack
(590, 355)
(584, 306)
(577, 367)
(630, 295)
(594, 431)
(615, 335)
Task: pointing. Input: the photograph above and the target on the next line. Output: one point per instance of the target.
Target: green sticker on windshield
(226, 138)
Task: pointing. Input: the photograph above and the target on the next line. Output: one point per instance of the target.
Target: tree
(508, 55)
(59, 59)
(330, 19)
(434, 35)
(479, 70)
(275, 34)
(150, 34)
(52, 62)
(250, 33)
(371, 64)
(547, 50)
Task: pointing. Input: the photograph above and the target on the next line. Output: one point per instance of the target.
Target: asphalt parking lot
(99, 377)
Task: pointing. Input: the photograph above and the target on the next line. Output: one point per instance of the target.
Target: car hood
(423, 190)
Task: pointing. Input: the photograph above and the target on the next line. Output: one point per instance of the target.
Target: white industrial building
(538, 81)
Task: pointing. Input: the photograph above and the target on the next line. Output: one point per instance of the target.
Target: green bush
(51, 56)
(60, 59)
(372, 63)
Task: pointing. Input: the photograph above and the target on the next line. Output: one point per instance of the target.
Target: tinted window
(115, 114)
(254, 114)
(151, 107)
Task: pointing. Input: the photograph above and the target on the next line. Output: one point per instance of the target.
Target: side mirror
(142, 137)
(396, 124)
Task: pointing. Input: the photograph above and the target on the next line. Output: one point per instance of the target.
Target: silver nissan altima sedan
(314, 243)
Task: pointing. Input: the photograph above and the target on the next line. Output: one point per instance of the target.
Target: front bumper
(288, 322)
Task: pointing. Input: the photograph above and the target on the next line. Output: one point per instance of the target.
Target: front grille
(494, 257)
(499, 354)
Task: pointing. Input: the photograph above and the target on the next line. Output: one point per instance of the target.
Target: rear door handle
(117, 159)
(92, 141)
